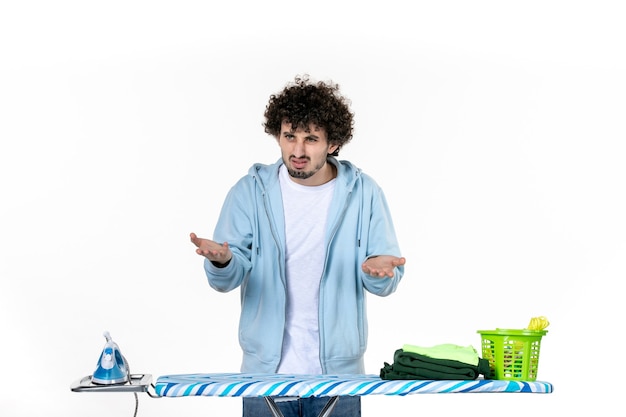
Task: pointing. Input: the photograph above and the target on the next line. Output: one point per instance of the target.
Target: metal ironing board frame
(138, 383)
(328, 408)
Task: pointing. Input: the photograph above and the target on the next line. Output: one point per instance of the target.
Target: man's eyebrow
(312, 136)
(308, 132)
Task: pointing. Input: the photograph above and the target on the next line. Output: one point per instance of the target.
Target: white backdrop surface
(496, 129)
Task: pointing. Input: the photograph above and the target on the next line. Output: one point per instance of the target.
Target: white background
(496, 129)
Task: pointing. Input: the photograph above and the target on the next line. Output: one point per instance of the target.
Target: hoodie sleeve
(235, 226)
(381, 240)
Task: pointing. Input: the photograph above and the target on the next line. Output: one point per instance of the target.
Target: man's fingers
(399, 262)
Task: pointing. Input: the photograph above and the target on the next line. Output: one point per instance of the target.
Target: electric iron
(112, 366)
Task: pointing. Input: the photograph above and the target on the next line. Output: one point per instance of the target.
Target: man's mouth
(299, 163)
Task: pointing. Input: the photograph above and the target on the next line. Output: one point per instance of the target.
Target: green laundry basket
(512, 354)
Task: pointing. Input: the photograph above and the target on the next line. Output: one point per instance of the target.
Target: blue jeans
(302, 407)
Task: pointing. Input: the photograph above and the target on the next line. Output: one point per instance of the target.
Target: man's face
(304, 154)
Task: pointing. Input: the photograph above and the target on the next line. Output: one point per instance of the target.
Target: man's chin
(301, 175)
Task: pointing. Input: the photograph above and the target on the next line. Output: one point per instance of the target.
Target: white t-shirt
(306, 213)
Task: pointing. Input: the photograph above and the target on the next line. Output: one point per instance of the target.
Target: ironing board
(272, 386)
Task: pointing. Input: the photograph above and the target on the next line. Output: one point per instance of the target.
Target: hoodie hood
(348, 175)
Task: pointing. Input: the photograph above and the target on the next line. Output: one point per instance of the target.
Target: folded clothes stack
(446, 361)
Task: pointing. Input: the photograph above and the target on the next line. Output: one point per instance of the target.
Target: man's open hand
(211, 250)
(382, 266)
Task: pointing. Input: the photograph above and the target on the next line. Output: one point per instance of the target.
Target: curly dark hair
(303, 102)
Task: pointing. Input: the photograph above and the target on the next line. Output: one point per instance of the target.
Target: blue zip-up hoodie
(252, 222)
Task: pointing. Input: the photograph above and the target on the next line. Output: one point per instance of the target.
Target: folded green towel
(409, 365)
(465, 354)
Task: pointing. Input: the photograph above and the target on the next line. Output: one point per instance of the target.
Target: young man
(304, 238)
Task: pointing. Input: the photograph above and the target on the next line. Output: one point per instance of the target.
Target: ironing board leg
(328, 408)
(273, 407)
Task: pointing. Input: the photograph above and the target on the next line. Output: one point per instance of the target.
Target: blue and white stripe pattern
(280, 385)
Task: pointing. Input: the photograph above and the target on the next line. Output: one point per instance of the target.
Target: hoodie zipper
(281, 261)
(322, 346)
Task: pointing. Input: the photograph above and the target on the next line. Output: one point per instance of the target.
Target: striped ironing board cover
(280, 385)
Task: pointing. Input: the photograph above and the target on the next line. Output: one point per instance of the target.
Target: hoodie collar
(267, 175)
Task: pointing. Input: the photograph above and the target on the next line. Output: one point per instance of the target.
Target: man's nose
(298, 148)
